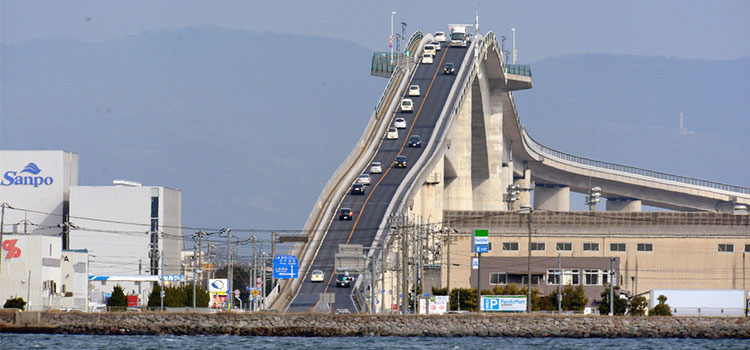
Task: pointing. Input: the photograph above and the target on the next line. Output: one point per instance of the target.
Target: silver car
(363, 179)
(376, 168)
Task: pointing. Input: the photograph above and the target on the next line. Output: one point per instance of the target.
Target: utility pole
(230, 268)
(448, 257)
(405, 267)
(200, 256)
(559, 283)
(612, 286)
(528, 292)
(2, 228)
(253, 281)
(195, 270)
(161, 280)
(273, 256)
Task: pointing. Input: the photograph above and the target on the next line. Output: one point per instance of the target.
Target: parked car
(414, 90)
(392, 134)
(400, 161)
(346, 214)
(344, 280)
(357, 189)
(440, 36)
(316, 276)
(376, 168)
(363, 179)
(415, 141)
(449, 68)
(427, 58)
(399, 123)
(407, 105)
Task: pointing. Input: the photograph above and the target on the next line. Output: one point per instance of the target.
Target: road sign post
(285, 267)
(481, 245)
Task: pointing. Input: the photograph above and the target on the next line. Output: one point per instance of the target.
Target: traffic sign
(474, 263)
(255, 292)
(481, 241)
(236, 292)
(285, 267)
(247, 288)
(259, 280)
(408, 53)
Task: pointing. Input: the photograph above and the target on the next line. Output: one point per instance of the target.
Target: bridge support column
(624, 204)
(552, 197)
(457, 162)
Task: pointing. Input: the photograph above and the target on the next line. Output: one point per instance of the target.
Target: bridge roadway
(369, 209)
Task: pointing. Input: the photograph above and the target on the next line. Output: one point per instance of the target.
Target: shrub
(620, 304)
(15, 303)
(637, 306)
(118, 300)
(662, 309)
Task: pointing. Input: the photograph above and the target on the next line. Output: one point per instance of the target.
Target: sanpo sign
(28, 176)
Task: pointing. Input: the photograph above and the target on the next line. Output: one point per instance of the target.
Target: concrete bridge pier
(629, 205)
(552, 197)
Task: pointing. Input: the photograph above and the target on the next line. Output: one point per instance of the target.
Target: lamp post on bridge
(390, 39)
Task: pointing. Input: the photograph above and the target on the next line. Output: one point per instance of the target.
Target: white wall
(39, 259)
(58, 168)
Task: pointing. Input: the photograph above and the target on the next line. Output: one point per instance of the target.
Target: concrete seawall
(363, 325)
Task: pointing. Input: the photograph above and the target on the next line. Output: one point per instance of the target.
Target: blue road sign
(285, 267)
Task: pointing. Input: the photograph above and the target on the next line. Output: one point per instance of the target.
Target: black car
(345, 214)
(344, 280)
(358, 189)
(449, 68)
(415, 141)
(401, 162)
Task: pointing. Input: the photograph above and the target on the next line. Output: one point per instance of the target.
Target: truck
(702, 302)
(458, 34)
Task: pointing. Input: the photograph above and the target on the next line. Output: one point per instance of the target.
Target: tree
(439, 291)
(463, 299)
(179, 296)
(117, 301)
(14, 303)
(573, 299)
(662, 309)
(637, 306)
(620, 304)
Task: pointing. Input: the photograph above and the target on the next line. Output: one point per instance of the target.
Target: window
(605, 276)
(726, 248)
(591, 277)
(747, 248)
(591, 247)
(617, 247)
(498, 278)
(537, 246)
(563, 246)
(525, 278)
(553, 277)
(510, 245)
(571, 277)
(645, 247)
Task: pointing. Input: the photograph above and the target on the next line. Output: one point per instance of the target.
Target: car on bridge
(436, 45)
(449, 68)
(316, 276)
(376, 168)
(407, 105)
(399, 123)
(415, 141)
(400, 161)
(429, 49)
(428, 58)
(392, 134)
(357, 189)
(344, 280)
(346, 214)
(440, 36)
(364, 179)
(414, 90)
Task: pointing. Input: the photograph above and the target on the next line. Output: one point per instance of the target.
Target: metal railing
(518, 69)
(415, 38)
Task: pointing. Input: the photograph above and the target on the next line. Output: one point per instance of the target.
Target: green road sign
(408, 53)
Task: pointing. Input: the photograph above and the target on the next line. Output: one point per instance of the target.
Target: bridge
(473, 148)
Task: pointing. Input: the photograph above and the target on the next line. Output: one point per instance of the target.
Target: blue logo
(11, 177)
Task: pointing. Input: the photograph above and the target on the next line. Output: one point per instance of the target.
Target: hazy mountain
(250, 126)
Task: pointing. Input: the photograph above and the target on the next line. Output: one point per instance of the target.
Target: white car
(414, 90)
(316, 276)
(429, 49)
(363, 179)
(427, 58)
(399, 123)
(376, 168)
(407, 105)
(440, 37)
(436, 45)
(392, 134)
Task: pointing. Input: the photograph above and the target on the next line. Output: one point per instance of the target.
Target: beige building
(664, 250)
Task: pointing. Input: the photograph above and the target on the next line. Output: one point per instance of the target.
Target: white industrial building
(122, 230)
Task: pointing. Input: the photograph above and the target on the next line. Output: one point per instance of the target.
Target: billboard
(218, 285)
(503, 303)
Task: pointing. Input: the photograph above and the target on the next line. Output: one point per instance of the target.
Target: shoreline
(316, 325)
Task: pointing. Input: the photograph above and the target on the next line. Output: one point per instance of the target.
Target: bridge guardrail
(321, 213)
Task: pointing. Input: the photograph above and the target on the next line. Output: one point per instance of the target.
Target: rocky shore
(149, 323)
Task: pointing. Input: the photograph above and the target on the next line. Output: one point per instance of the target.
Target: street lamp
(390, 39)
(513, 194)
(528, 210)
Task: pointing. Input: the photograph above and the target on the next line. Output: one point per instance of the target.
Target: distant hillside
(626, 109)
(249, 126)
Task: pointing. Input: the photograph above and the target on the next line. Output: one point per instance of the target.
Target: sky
(707, 30)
